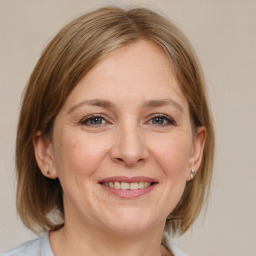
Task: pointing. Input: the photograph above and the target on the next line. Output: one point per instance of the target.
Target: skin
(145, 131)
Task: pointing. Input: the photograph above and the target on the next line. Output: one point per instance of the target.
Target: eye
(162, 120)
(93, 120)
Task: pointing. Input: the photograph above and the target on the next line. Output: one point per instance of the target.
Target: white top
(41, 247)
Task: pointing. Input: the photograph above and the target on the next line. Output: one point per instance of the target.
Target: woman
(115, 141)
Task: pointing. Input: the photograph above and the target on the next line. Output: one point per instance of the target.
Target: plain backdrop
(223, 34)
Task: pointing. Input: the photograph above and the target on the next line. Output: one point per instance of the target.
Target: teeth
(134, 186)
(127, 186)
(142, 185)
(117, 185)
(124, 185)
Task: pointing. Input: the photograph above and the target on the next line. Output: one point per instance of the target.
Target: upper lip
(128, 179)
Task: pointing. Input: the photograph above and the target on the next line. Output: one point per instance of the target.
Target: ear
(197, 150)
(44, 155)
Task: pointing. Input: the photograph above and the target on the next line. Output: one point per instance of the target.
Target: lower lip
(129, 194)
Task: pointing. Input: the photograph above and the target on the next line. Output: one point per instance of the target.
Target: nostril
(119, 159)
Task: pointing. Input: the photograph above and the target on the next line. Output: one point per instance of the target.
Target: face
(122, 144)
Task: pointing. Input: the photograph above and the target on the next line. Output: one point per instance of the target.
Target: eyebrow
(163, 103)
(95, 102)
(109, 105)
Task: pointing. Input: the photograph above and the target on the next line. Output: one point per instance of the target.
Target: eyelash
(164, 118)
(89, 118)
(169, 120)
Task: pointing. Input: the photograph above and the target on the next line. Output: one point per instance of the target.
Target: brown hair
(77, 48)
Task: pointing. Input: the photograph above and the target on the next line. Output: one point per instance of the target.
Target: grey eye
(93, 120)
(159, 120)
(162, 120)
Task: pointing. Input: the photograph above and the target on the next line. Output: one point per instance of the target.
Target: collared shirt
(36, 247)
(41, 247)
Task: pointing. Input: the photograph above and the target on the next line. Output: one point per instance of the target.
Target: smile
(128, 188)
(126, 185)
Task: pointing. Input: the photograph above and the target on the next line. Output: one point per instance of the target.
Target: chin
(131, 222)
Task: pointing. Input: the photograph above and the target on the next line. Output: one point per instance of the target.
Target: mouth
(125, 187)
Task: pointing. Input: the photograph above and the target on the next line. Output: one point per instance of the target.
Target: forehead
(139, 70)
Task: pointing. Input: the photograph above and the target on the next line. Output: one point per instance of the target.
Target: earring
(192, 175)
(48, 173)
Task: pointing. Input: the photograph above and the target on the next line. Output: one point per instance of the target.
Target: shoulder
(31, 247)
(36, 247)
(177, 251)
(174, 248)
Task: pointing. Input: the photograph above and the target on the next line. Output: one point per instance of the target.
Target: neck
(76, 240)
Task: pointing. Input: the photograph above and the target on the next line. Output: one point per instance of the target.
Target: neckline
(45, 247)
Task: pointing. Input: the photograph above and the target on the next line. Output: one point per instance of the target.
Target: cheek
(76, 161)
(77, 155)
(172, 158)
(173, 154)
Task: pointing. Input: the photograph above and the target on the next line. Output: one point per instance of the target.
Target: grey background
(223, 34)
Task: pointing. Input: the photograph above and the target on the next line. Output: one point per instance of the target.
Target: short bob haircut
(71, 54)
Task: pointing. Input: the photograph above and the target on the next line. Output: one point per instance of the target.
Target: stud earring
(192, 175)
(48, 173)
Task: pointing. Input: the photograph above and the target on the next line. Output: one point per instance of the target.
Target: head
(70, 56)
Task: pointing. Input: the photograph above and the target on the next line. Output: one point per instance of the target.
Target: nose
(129, 147)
